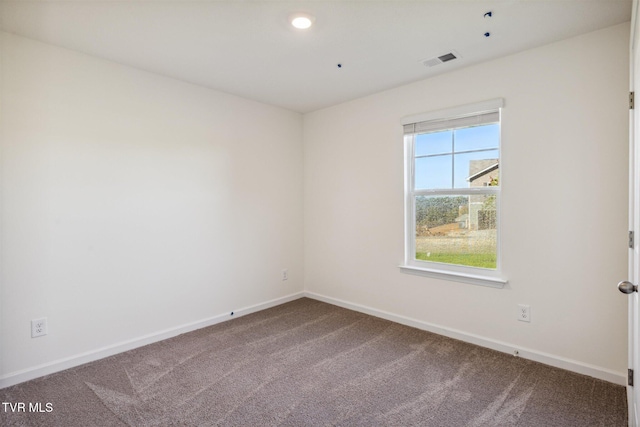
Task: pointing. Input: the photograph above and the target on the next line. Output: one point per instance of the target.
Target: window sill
(493, 282)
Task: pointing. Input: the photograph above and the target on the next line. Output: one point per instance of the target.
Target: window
(452, 194)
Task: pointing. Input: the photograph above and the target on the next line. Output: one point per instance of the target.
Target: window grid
(414, 193)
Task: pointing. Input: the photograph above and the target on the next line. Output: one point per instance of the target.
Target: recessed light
(302, 21)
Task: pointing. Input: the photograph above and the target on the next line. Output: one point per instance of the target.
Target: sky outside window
(441, 158)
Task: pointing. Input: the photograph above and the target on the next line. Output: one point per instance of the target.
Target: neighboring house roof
(483, 172)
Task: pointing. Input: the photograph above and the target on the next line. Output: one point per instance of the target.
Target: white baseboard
(80, 359)
(537, 356)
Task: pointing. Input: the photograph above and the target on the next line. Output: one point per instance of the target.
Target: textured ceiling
(248, 48)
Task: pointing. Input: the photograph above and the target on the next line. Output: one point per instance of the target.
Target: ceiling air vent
(432, 62)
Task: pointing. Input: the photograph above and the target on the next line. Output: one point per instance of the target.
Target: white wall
(564, 236)
(133, 203)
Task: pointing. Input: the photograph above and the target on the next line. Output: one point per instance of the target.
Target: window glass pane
(457, 230)
(477, 169)
(477, 138)
(433, 172)
(434, 143)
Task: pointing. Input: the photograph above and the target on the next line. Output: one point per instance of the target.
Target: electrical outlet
(524, 313)
(38, 327)
(285, 274)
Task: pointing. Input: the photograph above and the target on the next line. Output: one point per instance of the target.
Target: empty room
(314, 213)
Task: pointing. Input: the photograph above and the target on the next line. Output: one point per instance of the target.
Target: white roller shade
(483, 113)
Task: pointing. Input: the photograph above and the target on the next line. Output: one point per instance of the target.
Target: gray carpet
(307, 363)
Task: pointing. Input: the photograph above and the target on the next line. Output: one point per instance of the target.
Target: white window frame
(458, 273)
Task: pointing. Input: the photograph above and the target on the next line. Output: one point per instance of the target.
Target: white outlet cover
(38, 327)
(524, 313)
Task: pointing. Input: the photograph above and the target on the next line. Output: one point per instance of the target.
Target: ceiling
(249, 49)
